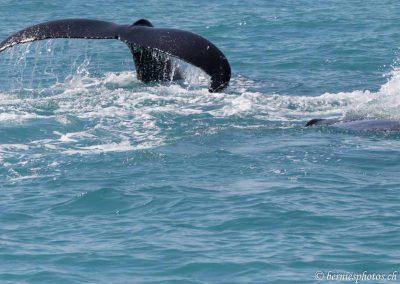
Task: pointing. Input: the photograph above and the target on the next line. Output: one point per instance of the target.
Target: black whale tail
(152, 48)
(152, 65)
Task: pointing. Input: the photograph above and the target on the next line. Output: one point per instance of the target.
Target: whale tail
(152, 48)
(152, 65)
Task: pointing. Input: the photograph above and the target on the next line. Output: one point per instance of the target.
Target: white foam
(121, 80)
(69, 137)
(103, 148)
(383, 104)
(8, 147)
(118, 113)
(17, 116)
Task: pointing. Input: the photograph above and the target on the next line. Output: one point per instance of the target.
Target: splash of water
(116, 112)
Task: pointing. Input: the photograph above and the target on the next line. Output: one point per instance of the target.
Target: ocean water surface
(104, 179)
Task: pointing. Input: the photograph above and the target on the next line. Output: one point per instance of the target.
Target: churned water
(106, 180)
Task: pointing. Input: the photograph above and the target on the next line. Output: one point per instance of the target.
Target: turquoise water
(106, 180)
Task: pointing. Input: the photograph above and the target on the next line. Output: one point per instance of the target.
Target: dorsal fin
(143, 23)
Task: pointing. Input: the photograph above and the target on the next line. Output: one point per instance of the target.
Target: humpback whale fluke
(151, 47)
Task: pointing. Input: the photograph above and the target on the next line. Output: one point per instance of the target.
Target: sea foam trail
(119, 93)
(116, 112)
(124, 102)
(129, 93)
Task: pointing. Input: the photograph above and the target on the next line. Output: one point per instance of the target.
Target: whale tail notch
(152, 65)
